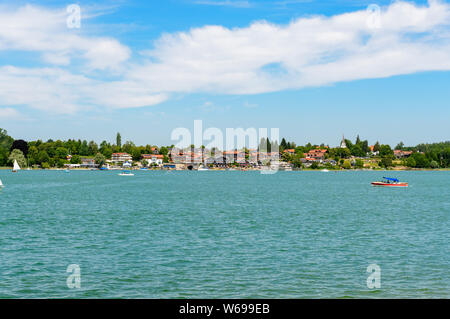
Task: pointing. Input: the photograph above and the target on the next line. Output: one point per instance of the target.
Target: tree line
(55, 153)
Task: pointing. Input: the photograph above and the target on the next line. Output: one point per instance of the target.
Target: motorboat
(126, 173)
(390, 182)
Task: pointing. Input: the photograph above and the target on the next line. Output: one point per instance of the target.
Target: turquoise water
(223, 234)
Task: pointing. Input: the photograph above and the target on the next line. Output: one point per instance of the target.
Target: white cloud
(59, 91)
(263, 57)
(226, 3)
(8, 113)
(308, 51)
(31, 28)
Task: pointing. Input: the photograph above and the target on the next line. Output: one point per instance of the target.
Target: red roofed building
(402, 154)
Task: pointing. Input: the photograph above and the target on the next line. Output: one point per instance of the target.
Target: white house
(153, 159)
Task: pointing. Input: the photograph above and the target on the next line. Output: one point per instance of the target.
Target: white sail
(16, 166)
(1, 184)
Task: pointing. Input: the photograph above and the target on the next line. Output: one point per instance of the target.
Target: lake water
(224, 234)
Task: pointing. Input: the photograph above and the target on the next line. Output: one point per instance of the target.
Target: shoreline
(247, 170)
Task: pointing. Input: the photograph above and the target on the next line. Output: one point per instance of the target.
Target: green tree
(45, 165)
(119, 140)
(6, 141)
(17, 155)
(347, 165)
(43, 157)
(76, 159)
(376, 147)
(297, 162)
(385, 162)
(315, 165)
(61, 153)
(385, 150)
(359, 163)
(400, 146)
(434, 164)
(99, 159)
(410, 162)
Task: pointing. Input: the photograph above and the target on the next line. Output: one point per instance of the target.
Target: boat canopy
(391, 179)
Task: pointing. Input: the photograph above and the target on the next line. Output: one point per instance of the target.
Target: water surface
(223, 234)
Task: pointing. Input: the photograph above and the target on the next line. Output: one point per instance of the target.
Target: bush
(45, 165)
(434, 164)
(347, 165)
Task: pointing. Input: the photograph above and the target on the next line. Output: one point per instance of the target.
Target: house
(402, 154)
(153, 159)
(121, 157)
(317, 154)
(371, 150)
(290, 151)
(88, 163)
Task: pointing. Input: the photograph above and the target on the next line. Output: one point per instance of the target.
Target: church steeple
(343, 144)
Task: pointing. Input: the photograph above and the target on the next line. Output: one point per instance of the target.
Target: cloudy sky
(313, 69)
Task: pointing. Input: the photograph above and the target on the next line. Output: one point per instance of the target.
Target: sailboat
(16, 167)
(1, 184)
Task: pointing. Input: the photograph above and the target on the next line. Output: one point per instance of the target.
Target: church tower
(343, 144)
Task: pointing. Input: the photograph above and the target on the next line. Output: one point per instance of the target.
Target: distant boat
(1, 184)
(325, 170)
(390, 182)
(126, 173)
(16, 167)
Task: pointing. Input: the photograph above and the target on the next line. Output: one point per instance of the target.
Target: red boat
(390, 182)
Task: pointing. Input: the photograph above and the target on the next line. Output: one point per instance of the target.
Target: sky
(316, 70)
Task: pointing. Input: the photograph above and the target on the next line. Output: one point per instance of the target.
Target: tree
(385, 151)
(76, 159)
(376, 147)
(61, 153)
(144, 163)
(119, 140)
(385, 162)
(421, 160)
(43, 157)
(136, 154)
(20, 145)
(359, 163)
(297, 162)
(6, 141)
(17, 155)
(400, 146)
(315, 165)
(283, 145)
(33, 153)
(347, 165)
(411, 162)
(99, 159)
(434, 164)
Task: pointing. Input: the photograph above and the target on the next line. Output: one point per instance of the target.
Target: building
(372, 147)
(402, 154)
(121, 157)
(88, 163)
(317, 154)
(153, 159)
(343, 144)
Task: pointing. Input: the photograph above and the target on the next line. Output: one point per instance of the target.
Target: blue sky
(313, 69)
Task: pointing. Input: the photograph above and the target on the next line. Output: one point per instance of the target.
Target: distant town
(77, 154)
